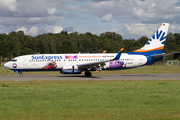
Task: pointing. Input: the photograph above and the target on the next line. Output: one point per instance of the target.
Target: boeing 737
(151, 52)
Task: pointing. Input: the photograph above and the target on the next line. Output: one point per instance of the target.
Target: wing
(99, 64)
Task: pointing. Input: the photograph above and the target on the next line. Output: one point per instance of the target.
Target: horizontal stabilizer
(176, 55)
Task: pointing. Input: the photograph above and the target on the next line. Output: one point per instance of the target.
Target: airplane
(151, 52)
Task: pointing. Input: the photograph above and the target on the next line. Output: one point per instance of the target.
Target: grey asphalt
(39, 77)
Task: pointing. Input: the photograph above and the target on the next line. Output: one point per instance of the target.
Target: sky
(130, 18)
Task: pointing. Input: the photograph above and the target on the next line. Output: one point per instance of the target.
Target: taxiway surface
(29, 77)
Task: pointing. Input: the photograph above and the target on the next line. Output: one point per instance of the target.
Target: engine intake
(71, 70)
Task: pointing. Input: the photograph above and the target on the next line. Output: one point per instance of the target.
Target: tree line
(17, 43)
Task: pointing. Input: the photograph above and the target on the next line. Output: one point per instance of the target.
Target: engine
(71, 70)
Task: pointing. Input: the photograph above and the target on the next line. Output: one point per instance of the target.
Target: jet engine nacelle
(71, 70)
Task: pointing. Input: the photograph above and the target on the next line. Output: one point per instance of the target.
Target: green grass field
(90, 100)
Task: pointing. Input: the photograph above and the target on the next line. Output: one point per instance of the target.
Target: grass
(142, 70)
(90, 100)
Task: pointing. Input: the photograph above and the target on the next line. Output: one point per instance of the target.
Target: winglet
(119, 54)
(104, 51)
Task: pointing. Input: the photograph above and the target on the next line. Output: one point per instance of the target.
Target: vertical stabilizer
(155, 45)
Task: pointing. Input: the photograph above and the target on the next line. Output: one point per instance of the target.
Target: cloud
(32, 31)
(57, 29)
(22, 29)
(107, 18)
(9, 5)
(12, 21)
(71, 15)
(35, 30)
(98, 0)
(137, 29)
(51, 10)
(34, 11)
(130, 18)
(96, 8)
(139, 12)
(145, 11)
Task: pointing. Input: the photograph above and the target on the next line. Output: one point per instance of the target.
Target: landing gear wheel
(88, 74)
(20, 74)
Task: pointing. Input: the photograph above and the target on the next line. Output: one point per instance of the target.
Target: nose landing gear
(21, 74)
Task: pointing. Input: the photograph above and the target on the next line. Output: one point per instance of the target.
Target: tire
(88, 74)
(20, 74)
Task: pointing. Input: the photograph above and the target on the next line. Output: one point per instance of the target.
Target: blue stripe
(154, 52)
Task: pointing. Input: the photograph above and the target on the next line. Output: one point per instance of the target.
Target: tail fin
(155, 45)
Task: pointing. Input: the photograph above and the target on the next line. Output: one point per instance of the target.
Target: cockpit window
(14, 60)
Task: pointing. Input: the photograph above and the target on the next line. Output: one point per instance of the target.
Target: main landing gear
(88, 74)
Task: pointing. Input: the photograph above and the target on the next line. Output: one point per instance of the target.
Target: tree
(26, 51)
(170, 44)
(17, 43)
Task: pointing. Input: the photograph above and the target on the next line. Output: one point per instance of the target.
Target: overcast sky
(130, 18)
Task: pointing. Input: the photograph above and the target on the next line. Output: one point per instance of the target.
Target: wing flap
(93, 64)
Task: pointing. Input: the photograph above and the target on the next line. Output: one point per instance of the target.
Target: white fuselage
(37, 61)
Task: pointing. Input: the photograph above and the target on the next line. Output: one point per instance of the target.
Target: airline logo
(158, 36)
(71, 57)
(14, 65)
(44, 57)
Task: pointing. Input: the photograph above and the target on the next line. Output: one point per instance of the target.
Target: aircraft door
(25, 62)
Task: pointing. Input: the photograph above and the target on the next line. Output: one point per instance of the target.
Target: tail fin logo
(156, 36)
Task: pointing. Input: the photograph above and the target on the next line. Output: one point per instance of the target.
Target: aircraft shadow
(80, 76)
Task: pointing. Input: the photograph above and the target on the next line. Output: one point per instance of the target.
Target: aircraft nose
(7, 65)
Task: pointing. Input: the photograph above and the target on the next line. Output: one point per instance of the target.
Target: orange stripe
(142, 50)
